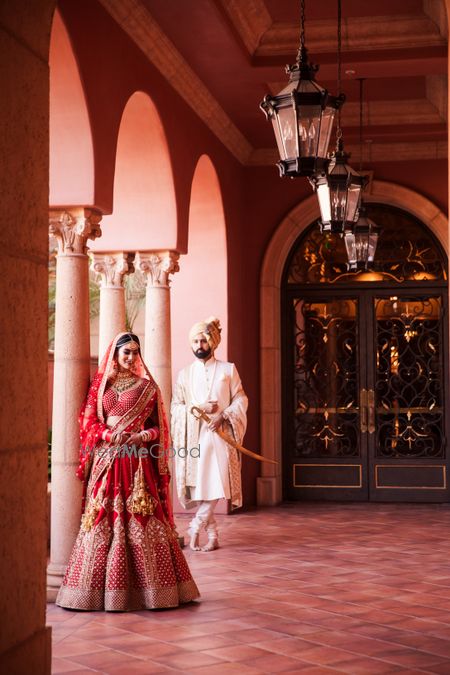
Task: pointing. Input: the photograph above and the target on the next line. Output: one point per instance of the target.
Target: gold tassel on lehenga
(140, 501)
(93, 508)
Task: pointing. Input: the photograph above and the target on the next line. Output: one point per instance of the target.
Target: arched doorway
(199, 290)
(364, 363)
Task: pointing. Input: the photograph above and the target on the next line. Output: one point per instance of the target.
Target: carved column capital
(72, 228)
(157, 265)
(112, 267)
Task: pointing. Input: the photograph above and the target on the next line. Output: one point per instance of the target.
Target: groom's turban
(210, 328)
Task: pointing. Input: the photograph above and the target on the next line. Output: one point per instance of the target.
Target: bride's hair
(125, 338)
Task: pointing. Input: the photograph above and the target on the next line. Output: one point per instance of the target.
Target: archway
(270, 483)
(144, 196)
(144, 213)
(199, 290)
(71, 148)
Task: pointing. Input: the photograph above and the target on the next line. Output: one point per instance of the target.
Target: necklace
(124, 381)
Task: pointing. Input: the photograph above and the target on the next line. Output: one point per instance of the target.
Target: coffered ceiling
(223, 56)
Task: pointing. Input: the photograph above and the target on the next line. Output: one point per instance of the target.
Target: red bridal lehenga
(126, 556)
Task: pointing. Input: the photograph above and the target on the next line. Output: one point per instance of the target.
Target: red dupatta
(92, 419)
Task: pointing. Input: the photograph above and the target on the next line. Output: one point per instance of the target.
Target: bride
(126, 556)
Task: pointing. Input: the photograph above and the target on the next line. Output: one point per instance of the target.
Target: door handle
(363, 410)
(371, 409)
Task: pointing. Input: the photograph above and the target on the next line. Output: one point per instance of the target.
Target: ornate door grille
(365, 363)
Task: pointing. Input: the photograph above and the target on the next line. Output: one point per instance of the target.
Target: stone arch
(71, 147)
(200, 288)
(144, 195)
(302, 215)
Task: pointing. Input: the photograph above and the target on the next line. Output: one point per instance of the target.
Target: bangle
(149, 434)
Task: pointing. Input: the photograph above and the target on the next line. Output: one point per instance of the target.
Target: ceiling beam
(373, 152)
(133, 17)
(250, 20)
(138, 23)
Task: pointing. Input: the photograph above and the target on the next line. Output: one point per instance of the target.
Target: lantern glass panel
(278, 135)
(362, 246)
(372, 246)
(350, 245)
(309, 129)
(287, 122)
(323, 195)
(338, 201)
(354, 192)
(325, 131)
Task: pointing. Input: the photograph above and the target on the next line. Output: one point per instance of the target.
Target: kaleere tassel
(140, 501)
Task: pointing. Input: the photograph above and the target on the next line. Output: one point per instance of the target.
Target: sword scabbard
(198, 413)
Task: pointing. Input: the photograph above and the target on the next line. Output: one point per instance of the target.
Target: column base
(266, 491)
(55, 576)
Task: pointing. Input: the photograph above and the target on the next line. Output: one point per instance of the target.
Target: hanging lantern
(361, 239)
(339, 191)
(361, 242)
(302, 116)
(339, 187)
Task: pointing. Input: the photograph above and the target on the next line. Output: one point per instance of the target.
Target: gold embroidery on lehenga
(93, 508)
(151, 552)
(118, 502)
(140, 500)
(94, 547)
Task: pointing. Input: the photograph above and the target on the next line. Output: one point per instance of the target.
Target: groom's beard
(202, 353)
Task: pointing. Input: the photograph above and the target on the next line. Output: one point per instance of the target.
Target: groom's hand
(210, 407)
(216, 422)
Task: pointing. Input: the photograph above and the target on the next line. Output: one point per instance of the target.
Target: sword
(200, 414)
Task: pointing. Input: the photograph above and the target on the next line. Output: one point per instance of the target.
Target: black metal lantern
(361, 242)
(302, 116)
(339, 191)
(361, 239)
(339, 187)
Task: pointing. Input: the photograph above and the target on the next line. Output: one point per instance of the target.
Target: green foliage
(134, 297)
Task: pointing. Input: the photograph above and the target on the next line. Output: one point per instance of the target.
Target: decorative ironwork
(325, 379)
(409, 377)
(406, 252)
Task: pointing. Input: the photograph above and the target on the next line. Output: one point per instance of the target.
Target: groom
(215, 472)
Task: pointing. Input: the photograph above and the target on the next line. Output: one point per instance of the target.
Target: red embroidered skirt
(123, 560)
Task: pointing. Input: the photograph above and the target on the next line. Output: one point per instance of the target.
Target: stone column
(71, 378)
(112, 267)
(157, 265)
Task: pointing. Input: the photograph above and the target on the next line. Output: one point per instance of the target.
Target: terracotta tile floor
(305, 588)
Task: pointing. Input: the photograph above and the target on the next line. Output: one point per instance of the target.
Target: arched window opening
(406, 252)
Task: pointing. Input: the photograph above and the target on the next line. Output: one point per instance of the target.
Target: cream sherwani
(215, 473)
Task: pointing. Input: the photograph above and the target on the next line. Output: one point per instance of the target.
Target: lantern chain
(361, 81)
(301, 49)
(339, 68)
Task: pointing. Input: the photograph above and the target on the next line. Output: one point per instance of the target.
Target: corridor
(305, 588)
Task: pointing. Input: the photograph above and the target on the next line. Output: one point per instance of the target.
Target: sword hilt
(199, 414)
